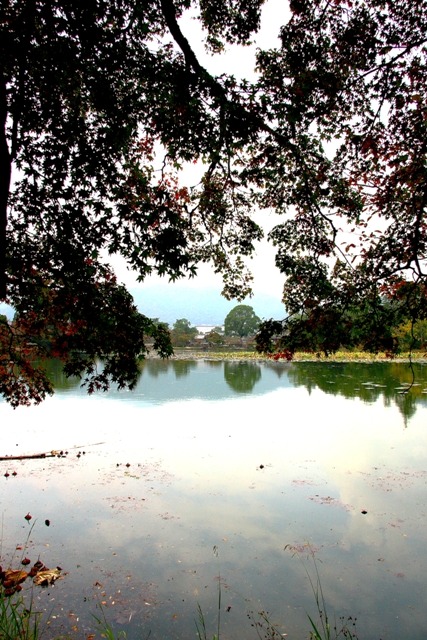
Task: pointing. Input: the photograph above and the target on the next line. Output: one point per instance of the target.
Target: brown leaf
(13, 577)
(44, 578)
(37, 567)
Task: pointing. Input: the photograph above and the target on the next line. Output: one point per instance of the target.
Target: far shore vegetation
(299, 356)
(244, 335)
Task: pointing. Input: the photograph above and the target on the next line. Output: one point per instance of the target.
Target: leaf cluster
(368, 324)
(101, 103)
(104, 104)
(241, 321)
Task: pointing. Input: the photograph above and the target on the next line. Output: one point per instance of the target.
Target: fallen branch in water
(50, 454)
(54, 453)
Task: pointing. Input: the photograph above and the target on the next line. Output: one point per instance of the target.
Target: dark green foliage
(349, 88)
(99, 335)
(214, 338)
(184, 326)
(98, 108)
(241, 321)
(368, 326)
(182, 332)
(102, 103)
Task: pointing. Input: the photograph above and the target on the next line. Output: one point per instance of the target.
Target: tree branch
(169, 14)
(5, 177)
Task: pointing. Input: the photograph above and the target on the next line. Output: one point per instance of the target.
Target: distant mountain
(170, 302)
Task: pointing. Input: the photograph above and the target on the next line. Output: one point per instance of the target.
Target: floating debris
(47, 577)
(11, 579)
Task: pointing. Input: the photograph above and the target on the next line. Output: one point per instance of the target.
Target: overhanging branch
(258, 123)
(5, 177)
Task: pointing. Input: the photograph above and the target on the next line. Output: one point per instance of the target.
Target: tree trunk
(5, 177)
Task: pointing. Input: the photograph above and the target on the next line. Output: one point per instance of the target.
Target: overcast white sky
(241, 63)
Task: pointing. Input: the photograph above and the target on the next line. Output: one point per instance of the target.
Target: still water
(226, 481)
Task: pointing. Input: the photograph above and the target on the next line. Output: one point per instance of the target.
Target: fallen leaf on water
(13, 577)
(28, 517)
(37, 567)
(47, 577)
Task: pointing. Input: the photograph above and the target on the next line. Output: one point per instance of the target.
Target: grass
(322, 628)
(300, 356)
(18, 618)
(202, 633)
(105, 628)
(18, 621)
(200, 622)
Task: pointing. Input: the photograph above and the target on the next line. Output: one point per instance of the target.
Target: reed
(322, 628)
(18, 620)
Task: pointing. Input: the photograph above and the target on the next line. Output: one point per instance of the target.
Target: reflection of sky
(168, 381)
(195, 480)
(182, 380)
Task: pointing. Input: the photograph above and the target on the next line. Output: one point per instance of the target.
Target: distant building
(204, 329)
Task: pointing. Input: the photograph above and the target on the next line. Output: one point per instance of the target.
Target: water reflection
(165, 381)
(188, 462)
(180, 368)
(367, 381)
(241, 376)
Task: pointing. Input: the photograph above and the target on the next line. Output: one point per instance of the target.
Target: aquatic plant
(322, 628)
(200, 622)
(106, 629)
(265, 629)
(18, 619)
(201, 630)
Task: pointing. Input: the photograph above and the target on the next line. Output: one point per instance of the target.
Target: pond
(225, 485)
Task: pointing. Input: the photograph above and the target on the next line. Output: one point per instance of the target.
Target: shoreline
(338, 357)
